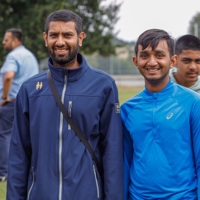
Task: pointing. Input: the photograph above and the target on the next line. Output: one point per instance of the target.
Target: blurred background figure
(187, 69)
(20, 64)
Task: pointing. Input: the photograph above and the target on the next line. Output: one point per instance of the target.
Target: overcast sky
(136, 16)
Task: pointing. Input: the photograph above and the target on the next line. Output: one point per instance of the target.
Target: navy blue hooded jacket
(47, 160)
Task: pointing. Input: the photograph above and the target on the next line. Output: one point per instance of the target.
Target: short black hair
(65, 16)
(187, 42)
(17, 33)
(153, 37)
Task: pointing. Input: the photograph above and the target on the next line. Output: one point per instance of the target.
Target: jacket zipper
(60, 141)
(69, 112)
(33, 181)
(97, 185)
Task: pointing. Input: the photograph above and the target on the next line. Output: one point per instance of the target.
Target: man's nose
(152, 61)
(192, 65)
(60, 41)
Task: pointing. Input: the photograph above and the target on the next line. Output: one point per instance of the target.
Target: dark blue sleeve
(112, 143)
(20, 152)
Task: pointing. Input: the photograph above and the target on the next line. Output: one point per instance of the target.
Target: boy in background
(187, 69)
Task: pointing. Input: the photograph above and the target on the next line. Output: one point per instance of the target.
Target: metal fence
(112, 64)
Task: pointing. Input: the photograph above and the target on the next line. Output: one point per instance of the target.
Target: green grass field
(125, 93)
(2, 190)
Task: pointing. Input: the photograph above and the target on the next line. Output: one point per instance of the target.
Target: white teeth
(152, 70)
(60, 50)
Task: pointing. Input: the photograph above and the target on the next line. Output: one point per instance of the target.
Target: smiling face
(188, 67)
(154, 65)
(63, 42)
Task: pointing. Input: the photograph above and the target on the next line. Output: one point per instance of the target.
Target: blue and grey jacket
(47, 160)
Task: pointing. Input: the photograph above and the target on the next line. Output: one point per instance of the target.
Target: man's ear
(173, 61)
(16, 42)
(81, 37)
(135, 61)
(45, 38)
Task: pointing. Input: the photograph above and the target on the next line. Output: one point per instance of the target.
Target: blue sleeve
(10, 64)
(128, 153)
(195, 128)
(20, 153)
(112, 146)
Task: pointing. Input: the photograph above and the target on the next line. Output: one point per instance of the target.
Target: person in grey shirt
(187, 69)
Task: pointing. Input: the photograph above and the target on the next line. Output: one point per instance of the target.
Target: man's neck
(17, 45)
(155, 86)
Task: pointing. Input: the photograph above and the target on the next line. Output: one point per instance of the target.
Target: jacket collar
(58, 73)
(162, 95)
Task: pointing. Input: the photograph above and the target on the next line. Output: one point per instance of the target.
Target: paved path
(129, 80)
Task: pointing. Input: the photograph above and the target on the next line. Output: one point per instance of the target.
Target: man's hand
(7, 82)
(5, 101)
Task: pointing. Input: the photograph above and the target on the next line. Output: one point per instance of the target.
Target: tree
(194, 27)
(30, 15)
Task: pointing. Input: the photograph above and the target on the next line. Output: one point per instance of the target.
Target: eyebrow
(188, 58)
(156, 51)
(67, 32)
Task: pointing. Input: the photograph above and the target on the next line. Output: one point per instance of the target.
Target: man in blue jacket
(47, 160)
(161, 128)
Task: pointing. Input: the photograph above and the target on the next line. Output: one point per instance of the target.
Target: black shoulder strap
(71, 122)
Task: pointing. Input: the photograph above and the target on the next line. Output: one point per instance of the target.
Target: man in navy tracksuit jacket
(47, 160)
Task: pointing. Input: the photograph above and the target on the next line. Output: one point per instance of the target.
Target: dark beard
(62, 60)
